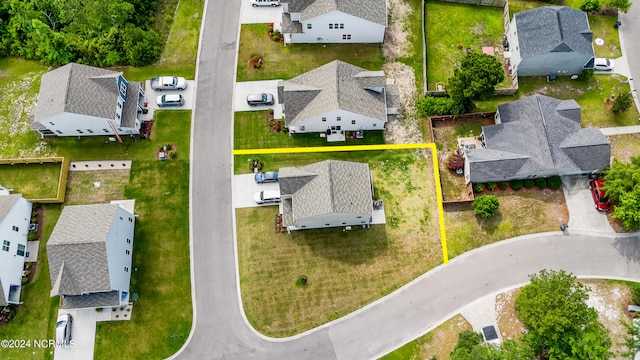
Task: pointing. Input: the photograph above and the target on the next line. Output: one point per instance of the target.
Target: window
(15, 228)
(5, 245)
(360, 217)
(308, 26)
(335, 26)
(346, 37)
(327, 224)
(127, 252)
(128, 241)
(21, 249)
(105, 130)
(338, 118)
(51, 123)
(119, 129)
(353, 122)
(90, 131)
(344, 223)
(120, 105)
(330, 26)
(130, 219)
(338, 127)
(117, 115)
(374, 124)
(79, 131)
(126, 269)
(121, 218)
(341, 26)
(303, 226)
(333, 128)
(59, 132)
(324, 119)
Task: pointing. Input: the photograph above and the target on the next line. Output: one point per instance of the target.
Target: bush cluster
(515, 184)
(553, 182)
(528, 183)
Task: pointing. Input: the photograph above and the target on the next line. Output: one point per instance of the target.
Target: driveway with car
(260, 14)
(245, 186)
(246, 88)
(83, 334)
(582, 211)
(151, 96)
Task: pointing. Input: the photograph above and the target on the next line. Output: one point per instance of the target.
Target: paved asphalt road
(220, 330)
(629, 32)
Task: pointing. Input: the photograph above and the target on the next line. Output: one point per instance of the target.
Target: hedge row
(553, 182)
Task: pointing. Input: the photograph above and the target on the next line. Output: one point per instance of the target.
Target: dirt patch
(508, 322)
(441, 341)
(404, 128)
(395, 37)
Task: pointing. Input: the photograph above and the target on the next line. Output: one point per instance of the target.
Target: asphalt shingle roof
(371, 10)
(77, 249)
(336, 85)
(538, 134)
(327, 187)
(95, 300)
(553, 29)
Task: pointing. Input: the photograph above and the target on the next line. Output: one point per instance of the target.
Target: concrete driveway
(151, 96)
(83, 334)
(582, 212)
(244, 186)
(260, 14)
(242, 89)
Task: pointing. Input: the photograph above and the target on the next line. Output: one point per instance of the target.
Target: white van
(267, 197)
(265, 2)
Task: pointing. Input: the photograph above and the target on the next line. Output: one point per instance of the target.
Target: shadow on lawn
(356, 246)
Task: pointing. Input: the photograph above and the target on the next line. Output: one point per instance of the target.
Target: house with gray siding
(81, 100)
(334, 21)
(325, 194)
(537, 136)
(90, 252)
(334, 98)
(550, 40)
(15, 215)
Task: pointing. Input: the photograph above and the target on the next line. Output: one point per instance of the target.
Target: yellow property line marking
(434, 155)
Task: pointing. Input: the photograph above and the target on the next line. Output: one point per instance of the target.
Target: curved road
(219, 327)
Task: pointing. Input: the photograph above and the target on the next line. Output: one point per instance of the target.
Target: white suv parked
(265, 2)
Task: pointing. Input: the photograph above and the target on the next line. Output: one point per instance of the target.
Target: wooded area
(93, 32)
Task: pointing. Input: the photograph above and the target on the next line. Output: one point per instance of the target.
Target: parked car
(260, 99)
(603, 64)
(266, 177)
(168, 83)
(490, 335)
(63, 329)
(170, 100)
(267, 197)
(599, 197)
(265, 2)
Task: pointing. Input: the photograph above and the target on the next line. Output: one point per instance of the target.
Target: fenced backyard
(40, 180)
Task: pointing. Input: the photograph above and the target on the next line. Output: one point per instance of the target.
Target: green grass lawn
(451, 28)
(414, 57)
(282, 62)
(602, 27)
(251, 132)
(20, 178)
(345, 270)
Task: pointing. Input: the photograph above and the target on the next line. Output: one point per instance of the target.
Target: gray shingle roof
(336, 85)
(77, 249)
(6, 203)
(553, 29)
(327, 187)
(371, 10)
(95, 300)
(289, 26)
(538, 134)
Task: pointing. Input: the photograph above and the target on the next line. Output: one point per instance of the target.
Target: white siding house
(334, 98)
(15, 215)
(90, 253)
(81, 100)
(334, 21)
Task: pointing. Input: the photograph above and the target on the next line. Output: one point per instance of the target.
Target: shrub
(485, 205)
(431, 105)
(554, 182)
(491, 186)
(590, 5)
(541, 183)
(528, 183)
(635, 294)
(478, 187)
(502, 186)
(172, 154)
(515, 184)
(276, 35)
(622, 103)
(32, 235)
(455, 161)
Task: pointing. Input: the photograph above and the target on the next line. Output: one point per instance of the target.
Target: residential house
(334, 21)
(90, 252)
(81, 100)
(537, 136)
(326, 194)
(550, 40)
(15, 216)
(334, 98)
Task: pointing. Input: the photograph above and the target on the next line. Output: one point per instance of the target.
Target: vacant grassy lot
(81, 188)
(451, 28)
(602, 27)
(20, 82)
(436, 344)
(282, 62)
(521, 212)
(251, 132)
(345, 270)
(33, 181)
(590, 95)
(623, 147)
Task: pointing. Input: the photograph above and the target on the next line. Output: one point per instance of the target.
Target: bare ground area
(443, 339)
(81, 187)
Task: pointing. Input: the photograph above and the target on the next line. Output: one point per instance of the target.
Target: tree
(432, 105)
(622, 186)
(561, 325)
(620, 5)
(467, 340)
(590, 5)
(632, 341)
(455, 161)
(485, 205)
(622, 103)
(475, 79)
